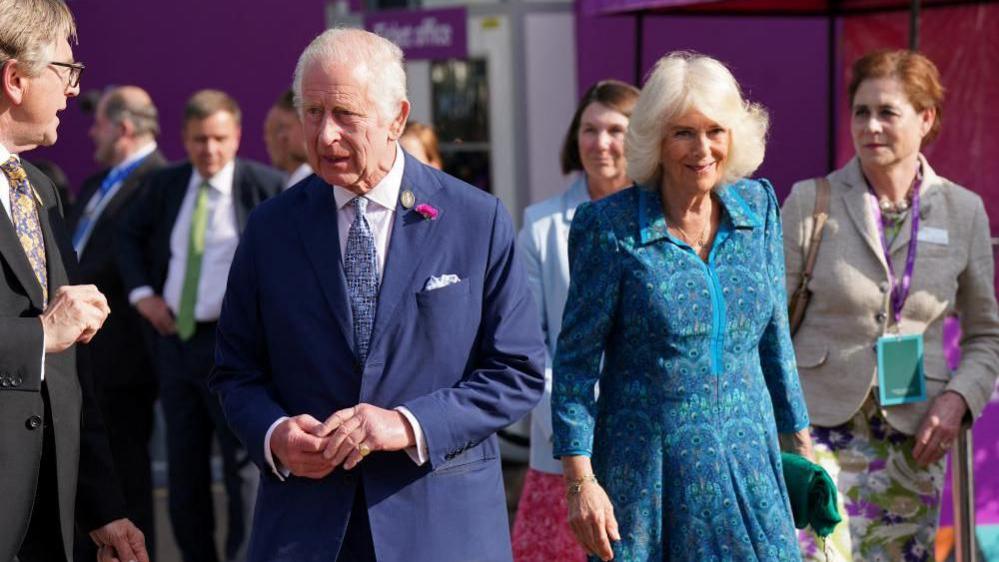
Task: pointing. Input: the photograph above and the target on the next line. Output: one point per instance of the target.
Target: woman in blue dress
(677, 308)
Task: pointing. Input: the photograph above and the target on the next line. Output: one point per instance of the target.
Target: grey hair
(29, 29)
(140, 110)
(377, 62)
(679, 82)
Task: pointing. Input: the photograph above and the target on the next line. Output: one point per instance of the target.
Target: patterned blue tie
(360, 264)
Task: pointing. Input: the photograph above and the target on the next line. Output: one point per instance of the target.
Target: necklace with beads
(892, 211)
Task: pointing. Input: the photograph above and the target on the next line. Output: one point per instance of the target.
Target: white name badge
(932, 235)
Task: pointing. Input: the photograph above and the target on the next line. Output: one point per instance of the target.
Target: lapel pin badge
(407, 199)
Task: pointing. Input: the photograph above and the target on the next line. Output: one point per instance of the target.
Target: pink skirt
(541, 530)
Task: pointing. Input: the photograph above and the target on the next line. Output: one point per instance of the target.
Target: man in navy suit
(174, 249)
(376, 332)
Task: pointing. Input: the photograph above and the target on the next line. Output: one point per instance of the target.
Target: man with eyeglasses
(53, 449)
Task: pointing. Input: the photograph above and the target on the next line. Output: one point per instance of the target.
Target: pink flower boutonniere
(430, 213)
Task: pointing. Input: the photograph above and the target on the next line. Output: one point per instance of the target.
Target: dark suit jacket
(118, 357)
(466, 359)
(83, 457)
(143, 242)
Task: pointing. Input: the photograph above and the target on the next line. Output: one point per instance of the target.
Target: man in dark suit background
(124, 132)
(284, 138)
(174, 251)
(53, 450)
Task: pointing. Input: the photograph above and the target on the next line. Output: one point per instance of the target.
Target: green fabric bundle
(812, 493)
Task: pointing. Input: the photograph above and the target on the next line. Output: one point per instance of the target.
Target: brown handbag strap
(819, 216)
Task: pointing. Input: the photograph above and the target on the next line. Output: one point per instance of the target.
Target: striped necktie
(24, 215)
(360, 264)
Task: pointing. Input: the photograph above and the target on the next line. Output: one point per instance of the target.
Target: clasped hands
(74, 315)
(120, 541)
(309, 448)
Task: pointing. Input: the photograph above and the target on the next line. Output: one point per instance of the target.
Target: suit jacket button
(34, 422)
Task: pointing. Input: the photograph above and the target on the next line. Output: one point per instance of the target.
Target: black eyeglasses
(75, 71)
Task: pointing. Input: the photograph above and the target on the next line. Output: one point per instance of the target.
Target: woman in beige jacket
(888, 460)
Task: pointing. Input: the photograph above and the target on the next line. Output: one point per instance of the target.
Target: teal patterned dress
(698, 376)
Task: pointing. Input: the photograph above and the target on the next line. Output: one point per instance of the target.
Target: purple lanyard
(899, 288)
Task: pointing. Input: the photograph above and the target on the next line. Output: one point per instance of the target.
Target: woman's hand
(591, 517)
(799, 443)
(939, 428)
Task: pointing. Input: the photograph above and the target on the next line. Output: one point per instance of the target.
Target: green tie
(192, 274)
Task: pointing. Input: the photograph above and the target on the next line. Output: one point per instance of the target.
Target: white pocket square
(438, 281)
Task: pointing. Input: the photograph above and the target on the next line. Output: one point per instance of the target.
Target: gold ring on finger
(364, 450)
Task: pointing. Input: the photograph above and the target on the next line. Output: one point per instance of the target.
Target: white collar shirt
(380, 212)
(4, 184)
(298, 175)
(221, 239)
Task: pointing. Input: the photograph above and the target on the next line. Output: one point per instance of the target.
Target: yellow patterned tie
(24, 215)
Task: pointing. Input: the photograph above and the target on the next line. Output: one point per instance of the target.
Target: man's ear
(126, 128)
(13, 82)
(399, 123)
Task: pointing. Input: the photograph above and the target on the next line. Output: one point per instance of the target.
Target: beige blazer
(850, 307)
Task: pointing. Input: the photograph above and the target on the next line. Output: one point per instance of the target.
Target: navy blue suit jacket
(466, 360)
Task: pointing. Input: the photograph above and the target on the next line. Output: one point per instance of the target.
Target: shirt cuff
(43, 354)
(139, 293)
(417, 453)
(278, 470)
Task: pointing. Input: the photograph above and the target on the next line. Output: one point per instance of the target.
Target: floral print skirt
(890, 505)
(541, 530)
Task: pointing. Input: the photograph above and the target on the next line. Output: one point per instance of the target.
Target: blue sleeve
(776, 349)
(586, 325)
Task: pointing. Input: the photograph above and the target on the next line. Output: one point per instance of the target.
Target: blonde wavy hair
(682, 81)
(29, 30)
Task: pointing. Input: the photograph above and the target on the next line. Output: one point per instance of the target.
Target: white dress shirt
(221, 240)
(298, 175)
(96, 204)
(4, 184)
(5, 200)
(380, 213)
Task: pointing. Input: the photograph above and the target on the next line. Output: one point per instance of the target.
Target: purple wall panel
(174, 48)
(781, 63)
(605, 48)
